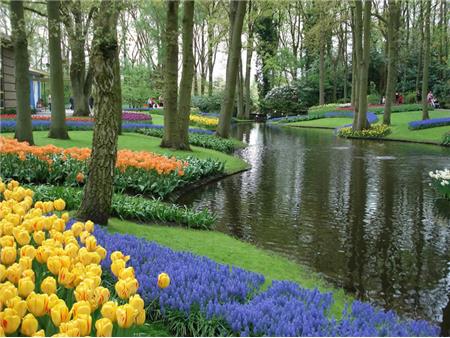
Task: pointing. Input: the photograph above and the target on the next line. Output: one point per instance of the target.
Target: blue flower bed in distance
(10, 126)
(430, 123)
(235, 296)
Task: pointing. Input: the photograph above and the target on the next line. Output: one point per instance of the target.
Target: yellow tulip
(140, 319)
(13, 273)
(29, 273)
(9, 320)
(137, 302)
(70, 329)
(81, 308)
(163, 280)
(59, 204)
(65, 216)
(28, 251)
(7, 291)
(101, 295)
(119, 255)
(8, 226)
(23, 237)
(25, 263)
(7, 240)
(109, 310)
(127, 273)
(101, 251)
(59, 225)
(66, 278)
(43, 253)
(89, 226)
(84, 324)
(83, 292)
(117, 266)
(84, 234)
(39, 236)
(126, 316)
(40, 333)
(37, 304)
(2, 272)
(95, 269)
(29, 325)
(8, 255)
(26, 286)
(77, 228)
(53, 300)
(2, 332)
(104, 327)
(54, 264)
(126, 287)
(94, 258)
(71, 250)
(91, 243)
(48, 285)
(84, 256)
(59, 313)
(48, 207)
(18, 304)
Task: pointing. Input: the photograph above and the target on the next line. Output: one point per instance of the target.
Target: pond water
(360, 213)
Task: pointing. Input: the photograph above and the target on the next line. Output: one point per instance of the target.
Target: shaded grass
(138, 142)
(227, 250)
(332, 122)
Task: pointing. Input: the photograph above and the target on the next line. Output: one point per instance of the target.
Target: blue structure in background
(37, 81)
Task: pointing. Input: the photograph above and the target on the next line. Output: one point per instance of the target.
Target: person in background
(91, 105)
(161, 101)
(418, 97)
(396, 97)
(150, 103)
(430, 97)
(49, 102)
(71, 103)
(400, 99)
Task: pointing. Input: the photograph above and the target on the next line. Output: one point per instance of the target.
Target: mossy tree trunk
(392, 41)
(171, 133)
(184, 104)
(248, 65)
(234, 55)
(24, 129)
(96, 203)
(426, 60)
(58, 127)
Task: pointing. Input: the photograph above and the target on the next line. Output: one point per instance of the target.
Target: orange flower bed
(125, 158)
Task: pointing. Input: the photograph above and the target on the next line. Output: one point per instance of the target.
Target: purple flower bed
(10, 126)
(234, 296)
(128, 116)
(209, 114)
(430, 123)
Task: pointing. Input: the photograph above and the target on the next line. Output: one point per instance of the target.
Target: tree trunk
(240, 92)
(58, 127)
(426, 61)
(419, 63)
(77, 78)
(171, 132)
(248, 68)
(184, 104)
(392, 40)
(24, 129)
(322, 71)
(210, 58)
(96, 203)
(234, 55)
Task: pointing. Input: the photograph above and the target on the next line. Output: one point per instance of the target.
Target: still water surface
(361, 213)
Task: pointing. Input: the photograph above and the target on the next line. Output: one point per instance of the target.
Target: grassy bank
(399, 126)
(138, 142)
(227, 250)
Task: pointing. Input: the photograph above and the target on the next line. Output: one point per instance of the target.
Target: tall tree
(58, 127)
(234, 55)
(24, 130)
(184, 104)
(248, 63)
(426, 60)
(393, 26)
(77, 21)
(97, 198)
(171, 136)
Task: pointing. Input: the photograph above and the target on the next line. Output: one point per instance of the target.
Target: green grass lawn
(399, 126)
(157, 119)
(227, 250)
(139, 142)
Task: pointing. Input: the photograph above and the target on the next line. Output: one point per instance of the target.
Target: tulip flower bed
(197, 139)
(51, 280)
(126, 116)
(207, 298)
(137, 172)
(133, 207)
(376, 131)
(202, 121)
(441, 181)
(430, 123)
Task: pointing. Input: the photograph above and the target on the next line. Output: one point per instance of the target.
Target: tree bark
(58, 127)
(322, 71)
(240, 92)
(171, 135)
(392, 41)
(210, 58)
(419, 63)
(234, 54)
(97, 198)
(426, 61)
(184, 104)
(78, 77)
(24, 129)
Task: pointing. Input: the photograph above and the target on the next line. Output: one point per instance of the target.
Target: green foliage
(399, 108)
(375, 131)
(64, 170)
(373, 99)
(208, 104)
(446, 139)
(201, 140)
(410, 98)
(283, 101)
(132, 207)
(137, 85)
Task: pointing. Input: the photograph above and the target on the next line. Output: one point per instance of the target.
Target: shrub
(373, 99)
(200, 140)
(399, 108)
(375, 131)
(430, 123)
(283, 101)
(441, 181)
(209, 104)
(132, 207)
(446, 139)
(410, 98)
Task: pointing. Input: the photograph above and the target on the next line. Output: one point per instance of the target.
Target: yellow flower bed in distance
(51, 278)
(204, 121)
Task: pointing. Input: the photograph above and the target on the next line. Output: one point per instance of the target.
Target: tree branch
(379, 17)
